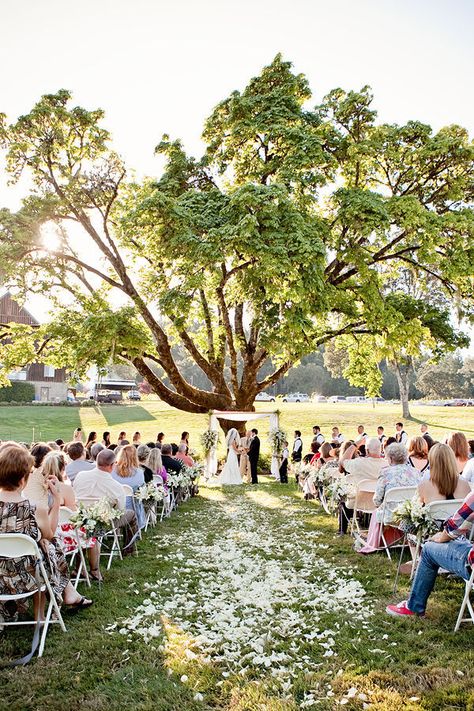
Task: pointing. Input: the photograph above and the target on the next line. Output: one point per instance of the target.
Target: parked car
(133, 395)
(296, 397)
(319, 398)
(456, 403)
(108, 396)
(337, 398)
(264, 397)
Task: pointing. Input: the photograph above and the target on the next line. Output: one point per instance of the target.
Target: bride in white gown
(231, 471)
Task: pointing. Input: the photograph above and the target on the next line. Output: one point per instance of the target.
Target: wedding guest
(19, 515)
(450, 550)
(390, 440)
(183, 457)
(297, 453)
(91, 439)
(418, 455)
(77, 454)
(54, 466)
(159, 439)
(400, 435)
(143, 454)
(106, 439)
(34, 488)
(285, 453)
(357, 469)
(155, 463)
(60, 443)
(185, 440)
(127, 470)
(468, 471)
(444, 483)
(169, 462)
(52, 445)
(98, 483)
(136, 439)
(314, 449)
(95, 449)
(329, 458)
(122, 438)
(77, 436)
(398, 473)
(458, 443)
(318, 437)
(315, 453)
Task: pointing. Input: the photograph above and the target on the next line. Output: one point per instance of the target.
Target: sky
(159, 66)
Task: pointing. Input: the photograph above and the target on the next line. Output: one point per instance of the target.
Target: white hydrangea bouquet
(179, 480)
(97, 518)
(412, 517)
(340, 490)
(209, 440)
(194, 472)
(277, 438)
(150, 492)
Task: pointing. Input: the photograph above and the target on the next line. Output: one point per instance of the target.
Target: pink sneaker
(401, 610)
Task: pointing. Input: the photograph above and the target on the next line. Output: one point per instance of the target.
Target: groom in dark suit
(253, 454)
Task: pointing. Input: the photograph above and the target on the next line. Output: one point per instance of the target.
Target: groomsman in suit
(253, 455)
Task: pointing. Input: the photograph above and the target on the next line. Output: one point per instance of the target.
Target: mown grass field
(391, 664)
(25, 423)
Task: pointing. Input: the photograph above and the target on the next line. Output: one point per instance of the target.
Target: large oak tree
(285, 234)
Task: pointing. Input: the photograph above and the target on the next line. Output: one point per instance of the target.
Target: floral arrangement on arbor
(97, 518)
(150, 492)
(412, 517)
(277, 438)
(209, 440)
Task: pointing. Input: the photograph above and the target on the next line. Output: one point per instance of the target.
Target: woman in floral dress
(18, 515)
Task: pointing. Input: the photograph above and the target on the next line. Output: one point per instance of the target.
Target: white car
(296, 397)
(264, 397)
(319, 398)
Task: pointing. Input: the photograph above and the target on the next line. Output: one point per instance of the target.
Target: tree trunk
(402, 371)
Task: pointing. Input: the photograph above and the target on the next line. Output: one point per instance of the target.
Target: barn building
(50, 383)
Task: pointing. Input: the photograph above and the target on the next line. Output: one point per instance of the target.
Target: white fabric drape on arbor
(215, 415)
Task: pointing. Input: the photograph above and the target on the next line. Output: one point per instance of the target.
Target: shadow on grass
(117, 415)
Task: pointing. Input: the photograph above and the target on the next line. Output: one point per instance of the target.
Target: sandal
(95, 575)
(82, 603)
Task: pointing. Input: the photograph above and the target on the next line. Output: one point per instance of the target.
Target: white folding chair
(466, 601)
(82, 574)
(168, 501)
(128, 491)
(363, 504)
(114, 549)
(392, 497)
(440, 511)
(18, 545)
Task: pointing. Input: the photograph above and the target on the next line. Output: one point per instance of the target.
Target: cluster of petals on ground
(256, 593)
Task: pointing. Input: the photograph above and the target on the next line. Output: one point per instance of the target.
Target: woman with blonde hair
(127, 470)
(418, 454)
(444, 481)
(460, 446)
(54, 466)
(155, 463)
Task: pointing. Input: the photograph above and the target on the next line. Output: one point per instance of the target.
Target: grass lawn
(152, 416)
(244, 600)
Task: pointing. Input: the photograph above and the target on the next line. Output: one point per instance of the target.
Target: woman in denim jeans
(450, 549)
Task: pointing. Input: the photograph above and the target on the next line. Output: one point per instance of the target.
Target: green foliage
(17, 392)
(292, 229)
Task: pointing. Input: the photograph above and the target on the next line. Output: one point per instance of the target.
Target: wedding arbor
(240, 416)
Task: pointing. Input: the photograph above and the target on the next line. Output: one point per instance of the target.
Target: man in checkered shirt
(450, 549)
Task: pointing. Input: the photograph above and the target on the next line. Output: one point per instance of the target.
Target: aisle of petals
(253, 589)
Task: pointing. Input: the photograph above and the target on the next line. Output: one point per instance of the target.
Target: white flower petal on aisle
(254, 597)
